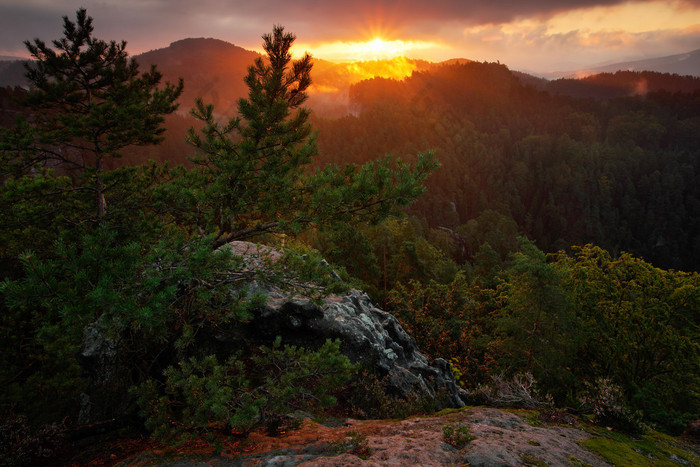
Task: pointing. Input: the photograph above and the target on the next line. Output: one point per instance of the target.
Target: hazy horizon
(541, 35)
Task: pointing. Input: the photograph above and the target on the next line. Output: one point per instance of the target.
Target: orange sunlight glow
(396, 68)
(374, 49)
(349, 73)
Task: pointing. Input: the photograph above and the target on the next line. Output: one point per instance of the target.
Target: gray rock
(98, 355)
(368, 335)
(98, 360)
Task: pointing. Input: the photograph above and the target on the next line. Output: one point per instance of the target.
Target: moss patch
(529, 416)
(447, 412)
(527, 459)
(576, 462)
(652, 449)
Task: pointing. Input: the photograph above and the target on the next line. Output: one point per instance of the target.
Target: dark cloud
(149, 24)
(137, 20)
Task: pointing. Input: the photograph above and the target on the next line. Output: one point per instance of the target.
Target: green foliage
(637, 328)
(90, 103)
(450, 321)
(536, 322)
(253, 174)
(569, 319)
(204, 396)
(166, 294)
(457, 434)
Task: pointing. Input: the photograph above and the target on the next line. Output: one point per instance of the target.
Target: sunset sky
(539, 35)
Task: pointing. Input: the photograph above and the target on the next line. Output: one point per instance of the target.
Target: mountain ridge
(214, 69)
(687, 63)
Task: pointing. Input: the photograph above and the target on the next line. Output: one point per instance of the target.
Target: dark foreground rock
(368, 335)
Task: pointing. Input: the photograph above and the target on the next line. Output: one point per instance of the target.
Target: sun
(376, 48)
(379, 48)
(373, 49)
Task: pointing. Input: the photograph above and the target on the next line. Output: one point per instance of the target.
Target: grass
(651, 449)
(576, 462)
(447, 412)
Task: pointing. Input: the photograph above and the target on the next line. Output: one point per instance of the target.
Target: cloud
(480, 29)
(534, 48)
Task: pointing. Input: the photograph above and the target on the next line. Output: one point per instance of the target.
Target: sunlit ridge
(396, 68)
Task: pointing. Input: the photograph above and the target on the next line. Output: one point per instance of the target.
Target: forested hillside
(621, 173)
(617, 177)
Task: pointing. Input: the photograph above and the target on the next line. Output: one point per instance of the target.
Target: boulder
(98, 358)
(368, 335)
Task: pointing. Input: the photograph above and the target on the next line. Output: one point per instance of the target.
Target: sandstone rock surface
(501, 438)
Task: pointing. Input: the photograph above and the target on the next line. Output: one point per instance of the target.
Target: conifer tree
(90, 102)
(254, 173)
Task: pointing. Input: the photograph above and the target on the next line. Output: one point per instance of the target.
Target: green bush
(202, 396)
(368, 399)
(457, 435)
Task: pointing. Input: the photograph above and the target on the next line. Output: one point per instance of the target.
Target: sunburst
(377, 48)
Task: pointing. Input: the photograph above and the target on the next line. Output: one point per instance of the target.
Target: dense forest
(548, 231)
(620, 173)
(529, 168)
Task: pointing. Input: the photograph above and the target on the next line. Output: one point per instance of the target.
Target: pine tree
(90, 102)
(254, 173)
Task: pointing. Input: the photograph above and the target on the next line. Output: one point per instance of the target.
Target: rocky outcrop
(368, 335)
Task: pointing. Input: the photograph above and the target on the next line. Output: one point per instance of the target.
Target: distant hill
(680, 64)
(621, 84)
(12, 73)
(212, 69)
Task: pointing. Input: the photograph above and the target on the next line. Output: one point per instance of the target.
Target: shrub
(204, 396)
(607, 402)
(368, 399)
(520, 391)
(457, 435)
